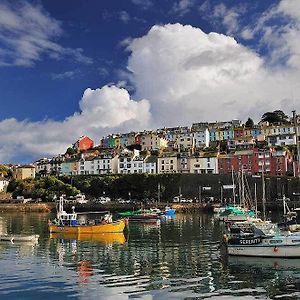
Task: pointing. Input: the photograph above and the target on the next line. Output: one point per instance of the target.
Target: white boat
(280, 245)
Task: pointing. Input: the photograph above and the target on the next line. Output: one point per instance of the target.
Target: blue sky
(98, 67)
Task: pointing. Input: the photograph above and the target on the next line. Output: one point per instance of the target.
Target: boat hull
(113, 227)
(264, 251)
(144, 218)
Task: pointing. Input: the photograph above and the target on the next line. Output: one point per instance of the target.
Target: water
(175, 259)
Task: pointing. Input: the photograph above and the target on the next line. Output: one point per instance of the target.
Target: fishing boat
(254, 242)
(19, 238)
(68, 223)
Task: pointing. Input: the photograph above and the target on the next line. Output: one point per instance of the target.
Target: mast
(233, 185)
(297, 141)
(158, 193)
(263, 189)
(243, 189)
(255, 198)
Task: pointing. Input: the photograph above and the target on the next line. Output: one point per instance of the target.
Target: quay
(48, 207)
(113, 207)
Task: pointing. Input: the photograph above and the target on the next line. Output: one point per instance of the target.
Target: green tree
(275, 117)
(249, 123)
(71, 151)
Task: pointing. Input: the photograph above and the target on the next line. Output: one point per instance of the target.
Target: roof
(151, 159)
(243, 152)
(26, 167)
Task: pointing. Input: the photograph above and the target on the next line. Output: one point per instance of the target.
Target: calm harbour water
(174, 259)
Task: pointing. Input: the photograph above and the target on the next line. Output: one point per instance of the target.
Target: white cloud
(124, 16)
(27, 32)
(143, 4)
(102, 110)
(189, 76)
(65, 75)
(183, 6)
(222, 16)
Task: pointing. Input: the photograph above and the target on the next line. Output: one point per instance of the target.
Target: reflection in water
(105, 238)
(85, 271)
(174, 259)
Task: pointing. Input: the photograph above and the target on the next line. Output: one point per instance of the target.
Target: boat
(19, 238)
(236, 214)
(254, 242)
(129, 213)
(168, 211)
(68, 223)
(103, 238)
(144, 216)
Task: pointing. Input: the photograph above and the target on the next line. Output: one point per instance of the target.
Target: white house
(137, 164)
(203, 164)
(105, 164)
(150, 165)
(201, 136)
(42, 166)
(3, 184)
(125, 161)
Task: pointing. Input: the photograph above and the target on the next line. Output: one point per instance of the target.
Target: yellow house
(151, 141)
(167, 163)
(25, 171)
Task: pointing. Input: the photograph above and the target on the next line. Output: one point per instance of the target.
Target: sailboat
(240, 213)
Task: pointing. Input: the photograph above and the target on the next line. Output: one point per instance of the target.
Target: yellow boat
(104, 238)
(114, 227)
(67, 223)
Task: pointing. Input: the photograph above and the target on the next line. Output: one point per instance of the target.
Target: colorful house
(83, 143)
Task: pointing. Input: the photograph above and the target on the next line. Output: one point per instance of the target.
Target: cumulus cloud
(192, 76)
(101, 111)
(27, 32)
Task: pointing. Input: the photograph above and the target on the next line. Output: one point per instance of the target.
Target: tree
(275, 117)
(249, 123)
(70, 151)
(5, 171)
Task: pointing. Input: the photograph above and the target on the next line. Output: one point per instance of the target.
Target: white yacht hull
(276, 246)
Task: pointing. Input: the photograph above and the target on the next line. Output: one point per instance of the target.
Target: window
(275, 241)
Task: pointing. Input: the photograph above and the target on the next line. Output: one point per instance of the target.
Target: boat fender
(225, 238)
(275, 249)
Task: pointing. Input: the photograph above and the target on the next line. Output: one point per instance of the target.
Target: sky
(89, 67)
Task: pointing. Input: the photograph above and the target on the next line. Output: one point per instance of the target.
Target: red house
(83, 143)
